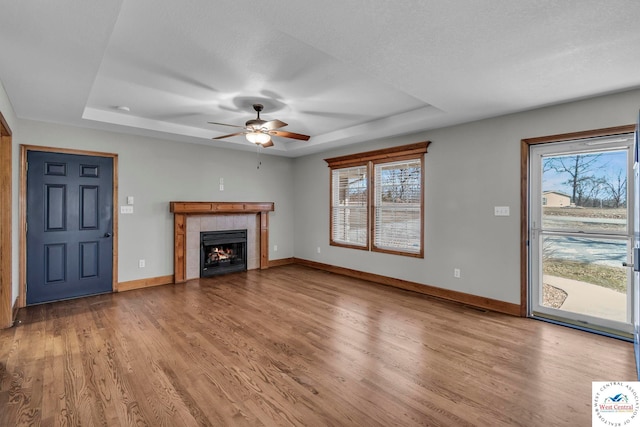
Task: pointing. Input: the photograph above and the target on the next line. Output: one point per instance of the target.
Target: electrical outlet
(456, 273)
(318, 249)
(141, 263)
(221, 187)
(275, 248)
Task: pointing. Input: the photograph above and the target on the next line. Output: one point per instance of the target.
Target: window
(349, 203)
(397, 206)
(377, 200)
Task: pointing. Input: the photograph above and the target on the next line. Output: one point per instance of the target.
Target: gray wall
(157, 171)
(469, 169)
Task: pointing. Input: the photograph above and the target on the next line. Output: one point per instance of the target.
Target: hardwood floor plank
(295, 346)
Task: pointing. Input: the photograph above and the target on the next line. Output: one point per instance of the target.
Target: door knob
(107, 234)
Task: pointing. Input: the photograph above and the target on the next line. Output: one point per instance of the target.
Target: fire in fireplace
(222, 252)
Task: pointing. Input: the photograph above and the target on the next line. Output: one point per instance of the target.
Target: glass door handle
(634, 259)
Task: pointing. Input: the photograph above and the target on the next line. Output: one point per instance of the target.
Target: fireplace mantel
(183, 209)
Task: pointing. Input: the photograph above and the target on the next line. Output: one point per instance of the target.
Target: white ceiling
(342, 71)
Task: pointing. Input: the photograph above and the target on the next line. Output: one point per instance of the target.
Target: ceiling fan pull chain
(258, 155)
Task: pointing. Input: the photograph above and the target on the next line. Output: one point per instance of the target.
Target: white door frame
(538, 232)
(525, 220)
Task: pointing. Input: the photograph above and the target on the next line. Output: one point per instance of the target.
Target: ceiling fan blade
(274, 124)
(267, 144)
(286, 134)
(225, 124)
(227, 136)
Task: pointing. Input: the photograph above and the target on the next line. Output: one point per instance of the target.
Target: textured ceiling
(340, 71)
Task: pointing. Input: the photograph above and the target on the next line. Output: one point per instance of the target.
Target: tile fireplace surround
(190, 218)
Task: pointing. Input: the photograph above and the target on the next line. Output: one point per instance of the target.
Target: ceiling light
(258, 137)
(123, 108)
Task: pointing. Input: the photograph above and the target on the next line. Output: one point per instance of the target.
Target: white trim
(537, 233)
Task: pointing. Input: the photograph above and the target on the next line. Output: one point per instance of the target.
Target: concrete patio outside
(593, 300)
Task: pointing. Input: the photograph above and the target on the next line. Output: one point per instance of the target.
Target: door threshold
(611, 333)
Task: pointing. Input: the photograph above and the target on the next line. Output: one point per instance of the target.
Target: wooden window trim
(419, 148)
(369, 159)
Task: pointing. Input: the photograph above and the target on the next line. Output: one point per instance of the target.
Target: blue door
(69, 226)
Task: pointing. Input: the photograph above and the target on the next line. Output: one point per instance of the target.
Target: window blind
(349, 206)
(397, 206)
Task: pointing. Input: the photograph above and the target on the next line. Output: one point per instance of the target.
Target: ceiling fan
(260, 131)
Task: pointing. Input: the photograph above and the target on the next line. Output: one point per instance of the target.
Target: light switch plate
(129, 200)
(501, 211)
(126, 209)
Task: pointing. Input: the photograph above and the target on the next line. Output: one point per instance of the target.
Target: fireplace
(191, 218)
(222, 252)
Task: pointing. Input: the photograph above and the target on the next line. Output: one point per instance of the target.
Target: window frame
(367, 241)
(370, 159)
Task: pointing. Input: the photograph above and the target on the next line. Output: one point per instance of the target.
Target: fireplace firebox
(222, 252)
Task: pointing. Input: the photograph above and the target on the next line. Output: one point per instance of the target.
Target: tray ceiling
(342, 72)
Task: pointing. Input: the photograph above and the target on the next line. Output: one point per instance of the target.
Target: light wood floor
(295, 346)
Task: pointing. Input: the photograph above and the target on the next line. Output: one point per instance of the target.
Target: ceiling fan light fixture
(258, 137)
(259, 131)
